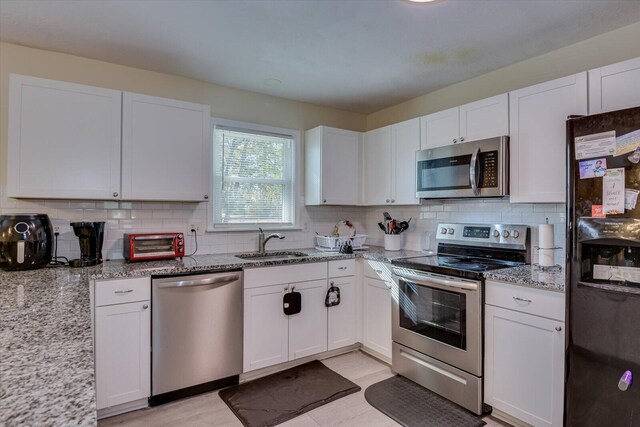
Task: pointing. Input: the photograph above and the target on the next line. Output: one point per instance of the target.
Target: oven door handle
(473, 172)
(429, 281)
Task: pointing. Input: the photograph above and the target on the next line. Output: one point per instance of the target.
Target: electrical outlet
(194, 226)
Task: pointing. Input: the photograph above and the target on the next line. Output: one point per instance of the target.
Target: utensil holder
(393, 242)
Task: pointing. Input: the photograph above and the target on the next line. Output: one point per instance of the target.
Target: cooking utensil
(386, 215)
(382, 227)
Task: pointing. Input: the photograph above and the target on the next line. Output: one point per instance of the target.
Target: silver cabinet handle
(558, 328)
(393, 200)
(378, 271)
(115, 194)
(206, 197)
(293, 288)
(455, 140)
(342, 268)
(461, 138)
(387, 200)
(145, 306)
(522, 299)
(123, 292)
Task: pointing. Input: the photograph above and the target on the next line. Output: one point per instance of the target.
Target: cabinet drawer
(377, 270)
(281, 274)
(341, 268)
(122, 291)
(534, 301)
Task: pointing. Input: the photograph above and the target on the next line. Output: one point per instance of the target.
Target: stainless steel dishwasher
(196, 334)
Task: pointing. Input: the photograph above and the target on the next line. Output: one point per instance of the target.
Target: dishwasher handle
(218, 281)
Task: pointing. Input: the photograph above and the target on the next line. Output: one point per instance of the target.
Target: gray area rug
(414, 406)
(279, 397)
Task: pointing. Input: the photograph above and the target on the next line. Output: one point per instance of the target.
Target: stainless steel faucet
(262, 241)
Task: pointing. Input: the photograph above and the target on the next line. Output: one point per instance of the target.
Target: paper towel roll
(545, 236)
(545, 257)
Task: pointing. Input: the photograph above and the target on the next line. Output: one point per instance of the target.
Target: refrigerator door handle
(606, 287)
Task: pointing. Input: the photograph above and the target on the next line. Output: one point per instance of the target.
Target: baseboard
(258, 373)
(123, 408)
(373, 353)
(506, 418)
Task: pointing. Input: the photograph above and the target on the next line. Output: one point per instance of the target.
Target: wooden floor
(209, 410)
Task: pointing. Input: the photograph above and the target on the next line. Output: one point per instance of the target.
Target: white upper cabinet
(390, 164)
(485, 118)
(64, 140)
(332, 167)
(614, 87)
(440, 129)
(377, 165)
(405, 141)
(165, 149)
(538, 137)
(477, 120)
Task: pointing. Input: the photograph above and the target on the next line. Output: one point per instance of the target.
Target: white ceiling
(357, 55)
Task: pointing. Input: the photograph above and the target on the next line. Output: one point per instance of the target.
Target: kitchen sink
(273, 255)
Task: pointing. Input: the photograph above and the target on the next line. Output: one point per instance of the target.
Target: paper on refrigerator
(595, 145)
(613, 192)
(630, 198)
(628, 142)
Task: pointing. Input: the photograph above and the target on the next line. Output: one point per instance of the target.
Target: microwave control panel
(489, 168)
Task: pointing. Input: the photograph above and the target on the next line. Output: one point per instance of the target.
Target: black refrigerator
(603, 274)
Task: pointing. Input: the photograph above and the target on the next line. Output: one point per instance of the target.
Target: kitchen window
(254, 176)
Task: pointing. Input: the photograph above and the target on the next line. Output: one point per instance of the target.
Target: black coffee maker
(26, 241)
(90, 236)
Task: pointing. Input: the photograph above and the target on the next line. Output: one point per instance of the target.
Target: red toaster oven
(153, 246)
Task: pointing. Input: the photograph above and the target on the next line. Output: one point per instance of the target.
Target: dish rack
(332, 243)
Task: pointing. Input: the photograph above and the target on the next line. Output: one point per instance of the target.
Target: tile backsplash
(149, 217)
(427, 216)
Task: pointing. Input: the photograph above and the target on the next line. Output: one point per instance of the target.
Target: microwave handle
(473, 172)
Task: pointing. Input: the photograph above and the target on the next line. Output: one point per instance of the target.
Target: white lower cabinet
(524, 357)
(376, 306)
(308, 329)
(272, 337)
(342, 318)
(122, 339)
(266, 330)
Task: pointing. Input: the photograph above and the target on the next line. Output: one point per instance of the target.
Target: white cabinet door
(486, 118)
(538, 137)
(405, 140)
(614, 87)
(377, 154)
(64, 140)
(165, 149)
(123, 353)
(266, 331)
(308, 329)
(439, 129)
(524, 366)
(333, 166)
(342, 318)
(376, 309)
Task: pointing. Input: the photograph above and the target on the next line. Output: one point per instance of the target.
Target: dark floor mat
(276, 398)
(414, 406)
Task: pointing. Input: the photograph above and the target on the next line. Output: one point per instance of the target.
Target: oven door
(440, 316)
(472, 169)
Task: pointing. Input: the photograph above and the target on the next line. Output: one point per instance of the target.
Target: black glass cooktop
(463, 266)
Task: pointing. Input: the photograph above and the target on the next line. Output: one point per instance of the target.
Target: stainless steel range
(437, 308)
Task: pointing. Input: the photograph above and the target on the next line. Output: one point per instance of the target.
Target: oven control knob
(180, 250)
(451, 231)
(443, 230)
(496, 233)
(505, 234)
(180, 237)
(180, 243)
(515, 234)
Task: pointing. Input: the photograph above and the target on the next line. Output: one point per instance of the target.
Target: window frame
(212, 227)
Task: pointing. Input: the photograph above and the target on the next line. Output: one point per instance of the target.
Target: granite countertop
(221, 262)
(46, 341)
(46, 349)
(530, 276)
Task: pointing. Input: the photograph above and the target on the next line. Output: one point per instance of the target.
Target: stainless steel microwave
(471, 169)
